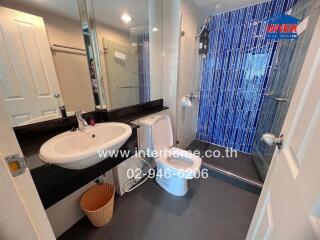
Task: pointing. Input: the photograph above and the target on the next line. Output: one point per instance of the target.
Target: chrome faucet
(81, 122)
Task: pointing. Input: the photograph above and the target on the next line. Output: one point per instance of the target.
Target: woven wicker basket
(97, 202)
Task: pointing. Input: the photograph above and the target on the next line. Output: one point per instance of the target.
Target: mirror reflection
(56, 61)
(44, 70)
(130, 43)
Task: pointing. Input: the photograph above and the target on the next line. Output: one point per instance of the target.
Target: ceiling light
(126, 18)
(155, 29)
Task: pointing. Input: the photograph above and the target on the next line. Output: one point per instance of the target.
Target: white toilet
(174, 166)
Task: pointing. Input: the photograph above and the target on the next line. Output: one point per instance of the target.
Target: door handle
(271, 140)
(279, 99)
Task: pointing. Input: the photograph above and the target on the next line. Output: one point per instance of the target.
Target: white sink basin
(80, 149)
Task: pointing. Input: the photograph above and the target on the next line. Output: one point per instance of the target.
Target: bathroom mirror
(43, 65)
(91, 44)
(129, 36)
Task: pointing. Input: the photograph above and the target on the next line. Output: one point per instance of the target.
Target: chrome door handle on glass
(271, 140)
(279, 99)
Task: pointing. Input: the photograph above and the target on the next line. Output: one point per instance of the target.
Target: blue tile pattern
(235, 74)
(144, 67)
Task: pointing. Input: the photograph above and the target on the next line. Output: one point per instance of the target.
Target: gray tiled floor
(212, 209)
(241, 165)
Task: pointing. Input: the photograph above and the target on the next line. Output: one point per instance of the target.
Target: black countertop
(55, 183)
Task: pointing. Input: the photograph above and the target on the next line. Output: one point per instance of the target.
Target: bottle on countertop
(63, 112)
(92, 121)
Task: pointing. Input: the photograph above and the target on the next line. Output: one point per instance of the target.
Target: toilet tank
(155, 132)
(145, 132)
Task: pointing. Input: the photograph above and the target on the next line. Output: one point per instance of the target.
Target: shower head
(206, 21)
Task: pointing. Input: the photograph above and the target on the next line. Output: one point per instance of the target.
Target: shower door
(123, 73)
(188, 83)
(284, 73)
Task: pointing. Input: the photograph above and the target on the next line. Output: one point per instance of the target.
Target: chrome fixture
(192, 96)
(270, 95)
(128, 87)
(271, 140)
(100, 179)
(82, 123)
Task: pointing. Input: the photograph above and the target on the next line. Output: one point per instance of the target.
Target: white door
(289, 205)
(27, 75)
(22, 216)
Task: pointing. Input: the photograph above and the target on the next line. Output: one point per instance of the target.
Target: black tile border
(136, 111)
(52, 127)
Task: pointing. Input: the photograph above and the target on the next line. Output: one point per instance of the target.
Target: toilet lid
(162, 137)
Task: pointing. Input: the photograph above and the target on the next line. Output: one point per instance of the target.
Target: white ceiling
(106, 11)
(212, 7)
(109, 11)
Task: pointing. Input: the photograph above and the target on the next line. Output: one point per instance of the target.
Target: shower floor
(240, 165)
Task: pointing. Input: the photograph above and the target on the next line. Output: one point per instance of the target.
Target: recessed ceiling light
(126, 18)
(155, 29)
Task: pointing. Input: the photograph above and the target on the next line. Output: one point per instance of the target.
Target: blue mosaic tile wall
(235, 74)
(144, 67)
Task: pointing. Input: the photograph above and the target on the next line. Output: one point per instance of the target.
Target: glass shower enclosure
(284, 73)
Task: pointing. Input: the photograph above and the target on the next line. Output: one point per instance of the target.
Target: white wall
(188, 81)
(179, 65)
(171, 36)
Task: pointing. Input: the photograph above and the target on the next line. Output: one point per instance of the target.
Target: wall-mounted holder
(192, 97)
(187, 100)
